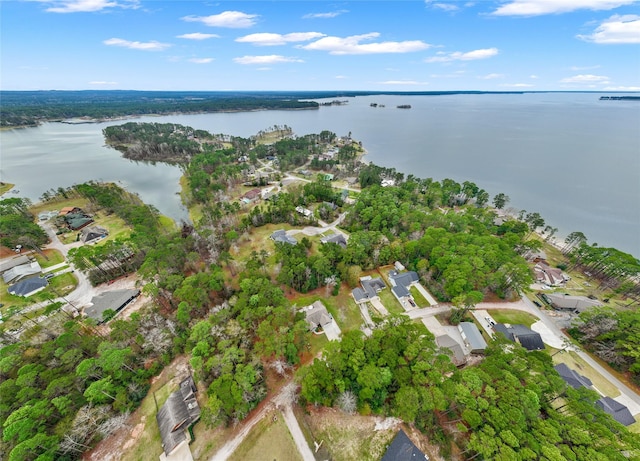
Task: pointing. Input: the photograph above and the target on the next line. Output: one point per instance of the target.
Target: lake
(571, 157)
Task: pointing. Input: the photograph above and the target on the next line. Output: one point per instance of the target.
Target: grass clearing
(342, 307)
(513, 317)
(5, 187)
(348, 437)
(268, 439)
(59, 203)
(420, 300)
(575, 362)
(116, 226)
(53, 257)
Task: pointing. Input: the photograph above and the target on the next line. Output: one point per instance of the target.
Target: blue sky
(531, 45)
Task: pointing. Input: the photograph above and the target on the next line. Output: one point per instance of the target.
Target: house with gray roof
(370, 289)
(472, 337)
(28, 287)
(336, 238)
(13, 262)
(521, 334)
(403, 449)
(575, 304)
(176, 416)
(280, 236)
(450, 345)
(17, 273)
(88, 234)
(619, 411)
(401, 282)
(114, 300)
(317, 316)
(572, 377)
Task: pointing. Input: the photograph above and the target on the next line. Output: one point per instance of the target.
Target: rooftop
(114, 300)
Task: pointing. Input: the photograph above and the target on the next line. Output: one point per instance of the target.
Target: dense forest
(68, 384)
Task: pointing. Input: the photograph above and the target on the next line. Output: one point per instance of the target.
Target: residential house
(388, 183)
(91, 233)
(28, 287)
(403, 449)
(76, 221)
(576, 304)
(572, 377)
(336, 238)
(401, 282)
(46, 215)
(115, 300)
(280, 236)
(619, 411)
(176, 416)
(69, 209)
(304, 211)
(548, 275)
(457, 352)
(521, 334)
(17, 273)
(13, 262)
(370, 289)
(472, 337)
(317, 316)
(251, 195)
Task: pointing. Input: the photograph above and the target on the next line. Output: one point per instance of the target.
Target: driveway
(377, 304)
(423, 291)
(332, 330)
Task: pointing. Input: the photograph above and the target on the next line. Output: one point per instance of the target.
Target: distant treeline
(25, 108)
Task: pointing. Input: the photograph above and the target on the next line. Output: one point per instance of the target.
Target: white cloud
(201, 60)
(578, 68)
(443, 6)
(517, 85)
(145, 46)
(101, 82)
(267, 39)
(584, 79)
(341, 76)
(534, 77)
(268, 59)
(197, 36)
(616, 30)
(403, 82)
(622, 88)
(491, 76)
(329, 15)
(540, 7)
(229, 19)
(460, 56)
(352, 45)
(86, 6)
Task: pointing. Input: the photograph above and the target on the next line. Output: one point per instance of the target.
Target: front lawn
(513, 317)
(268, 439)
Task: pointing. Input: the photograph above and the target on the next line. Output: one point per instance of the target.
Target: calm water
(571, 157)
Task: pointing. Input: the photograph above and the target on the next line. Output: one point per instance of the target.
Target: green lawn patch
(53, 257)
(58, 204)
(420, 300)
(5, 187)
(269, 439)
(390, 302)
(513, 317)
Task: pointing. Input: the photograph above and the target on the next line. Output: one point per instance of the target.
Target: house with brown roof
(548, 275)
(69, 209)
